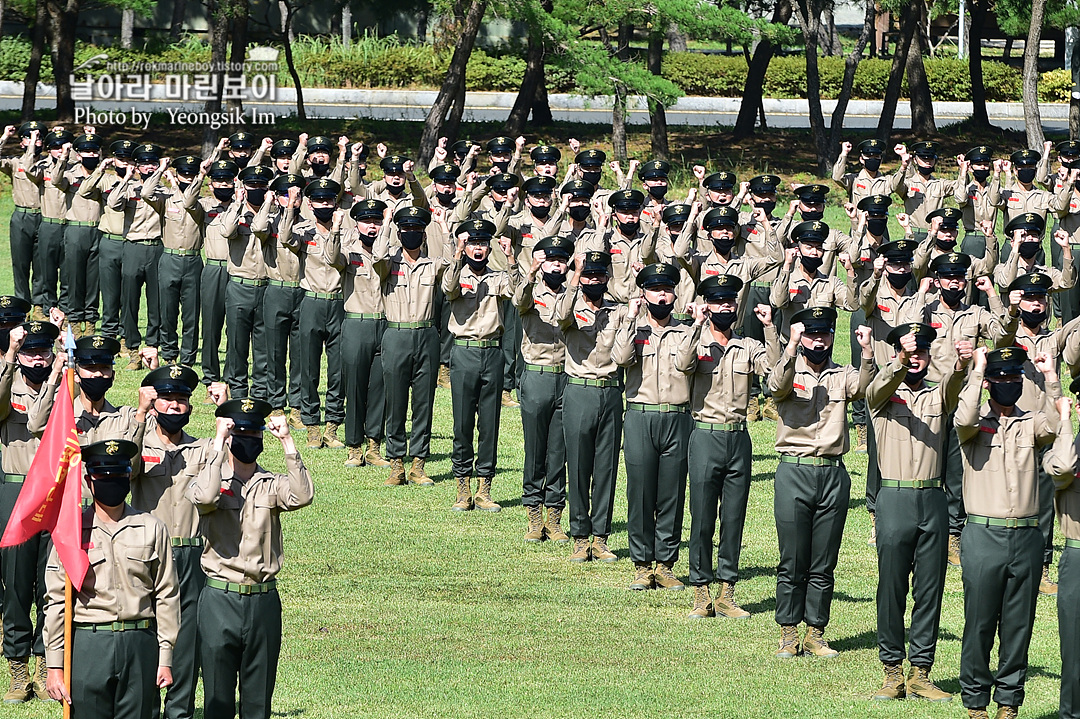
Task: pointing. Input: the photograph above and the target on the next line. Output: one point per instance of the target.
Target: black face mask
(183, 185)
(812, 215)
(90, 163)
(923, 170)
(579, 213)
(810, 264)
(594, 292)
(95, 387)
(946, 245)
(722, 321)
(872, 163)
(1033, 319)
(658, 191)
(35, 375)
(445, 197)
(660, 312)
(361, 172)
(1026, 175)
(1029, 249)
(395, 190)
(223, 194)
(245, 448)
(554, 280)
(629, 229)
(411, 239)
(912, 379)
(724, 246)
(173, 423)
(110, 492)
(540, 212)
(981, 175)
(323, 214)
(1006, 393)
(320, 169)
(952, 298)
(120, 171)
(476, 265)
(817, 357)
(256, 197)
(876, 226)
(503, 165)
(498, 204)
(767, 205)
(146, 175)
(898, 279)
(5, 339)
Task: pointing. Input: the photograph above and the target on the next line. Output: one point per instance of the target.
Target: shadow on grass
(862, 640)
(845, 597)
(765, 606)
(856, 503)
(746, 573)
(1035, 670)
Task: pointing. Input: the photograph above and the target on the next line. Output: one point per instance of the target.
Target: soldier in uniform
(1069, 221)
(49, 251)
(288, 154)
(95, 416)
(505, 154)
(25, 403)
(809, 286)
(318, 159)
(978, 192)
(27, 197)
(1001, 546)
(717, 189)
(812, 484)
(546, 161)
(720, 455)
(477, 295)
(621, 235)
(79, 271)
(240, 505)
(1023, 197)
(869, 180)
(590, 167)
(180, 266)
(127, 615)
(922, 193)
(912, 512)
(1025, 233)
(654, 182)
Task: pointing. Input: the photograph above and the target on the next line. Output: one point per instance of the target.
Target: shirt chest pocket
(139, 565)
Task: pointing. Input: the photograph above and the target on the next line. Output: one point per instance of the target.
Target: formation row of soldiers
(659, 292)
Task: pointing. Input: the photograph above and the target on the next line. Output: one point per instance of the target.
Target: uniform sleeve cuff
(54, 658)
(165, 656)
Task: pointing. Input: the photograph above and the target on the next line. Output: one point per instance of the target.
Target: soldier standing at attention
(49, 251)
(26, 219)
(869, 180)
(922, 193)
(81, 235)
(240, 505)
(812, 485)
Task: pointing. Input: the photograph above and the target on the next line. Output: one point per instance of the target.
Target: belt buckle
(1012, 522)
(244, 588)
(918, 483)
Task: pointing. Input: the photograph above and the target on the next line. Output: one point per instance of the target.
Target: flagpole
(69, 594)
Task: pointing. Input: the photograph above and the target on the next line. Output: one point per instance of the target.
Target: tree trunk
(831, 42)
(453, 85)
(218, 17)
(238, 51)
(541, 110)
(1074, 101)
(1032, 117)
(676, 38)
(422, 23)
(65, 18)
(453, 121)
(657, 114)
(179, 13)
(127, 28)
(922, 105)
(755, 76)
(1007, 52)
(618, 124)
(286, 33)
(3, 7)
(335, 22)
(530, 83)
(980, 118)
(908, 26)
(33, 70)
(346, 25)
(809, 15)
(836, 126)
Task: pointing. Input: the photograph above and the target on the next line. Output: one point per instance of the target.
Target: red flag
(51, 496)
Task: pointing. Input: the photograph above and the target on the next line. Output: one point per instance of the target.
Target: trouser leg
(830, 515)
(22, 241)
(928, 577)
(180, 697)
(111, 278)
(359, 345)
(1068, 610)
(214, 282)
(897, 535)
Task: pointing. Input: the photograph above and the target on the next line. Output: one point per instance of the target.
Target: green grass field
(396, 607)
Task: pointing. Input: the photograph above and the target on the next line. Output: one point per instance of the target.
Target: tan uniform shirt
(23, 414)
(542, 340)
(923, 196)
(589, 335)
(241, 520)
(476, 300)
(168, 470)
(860, 185)
(1060, 463)
(1015, 200)
(977, 203)
(219, 221)
(409, 288)
(792, 292)
(179, 230)
(1015, 266)
(756, 241)
(131, 578)
(111, 423)
(99, 187)
(247, 256)
(968, 322)
(53, 199)
(625, 252)
(321, 261)
(282, 264)
(724, 374)
(25, 182)
(1038, 394)
(79, 208)
(143, 205)
(363, 280)
(659, 360)
(525, 231)
(884, 311)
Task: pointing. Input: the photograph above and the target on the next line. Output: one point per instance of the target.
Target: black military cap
(539, 185)
(322, 189)
(626, 199)
(147, 154)
(1033, 283)
(899, 250)
(950, 217)
(677, 213)
(720, 217)
(241, 140)
(1025, 157)
(812, 194)
(87, 142)
(412, 216)
(281, 184)
(501, 145)
(810, 231)
(283, 148)
(368, 210)
(764, 184)
(478, 230)
(718, 287)
(245, 413)
(555, 246)
(112, 456)
(393, 164)
(224, 170)
(545, 155)
(720, 181)
(1031, 221)
(187, 165)
(578, 188)
(13, 309)
(816, 320)
(658, 274)
(172, 379)
(27, 127)
(502, 182)
(1005, 361)
(40, 334)
(875, 204)
(1069, 147)
(982, 153)
(123, 149)
(871, 148)
(256, 175)
(445, 173)
(925, 148)
(951, 264)
(654, 170)
(96, 349)
(461, 147)
(590, 158)
(596, 263)
(57, 138)
(319, 143)
(924, 335)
